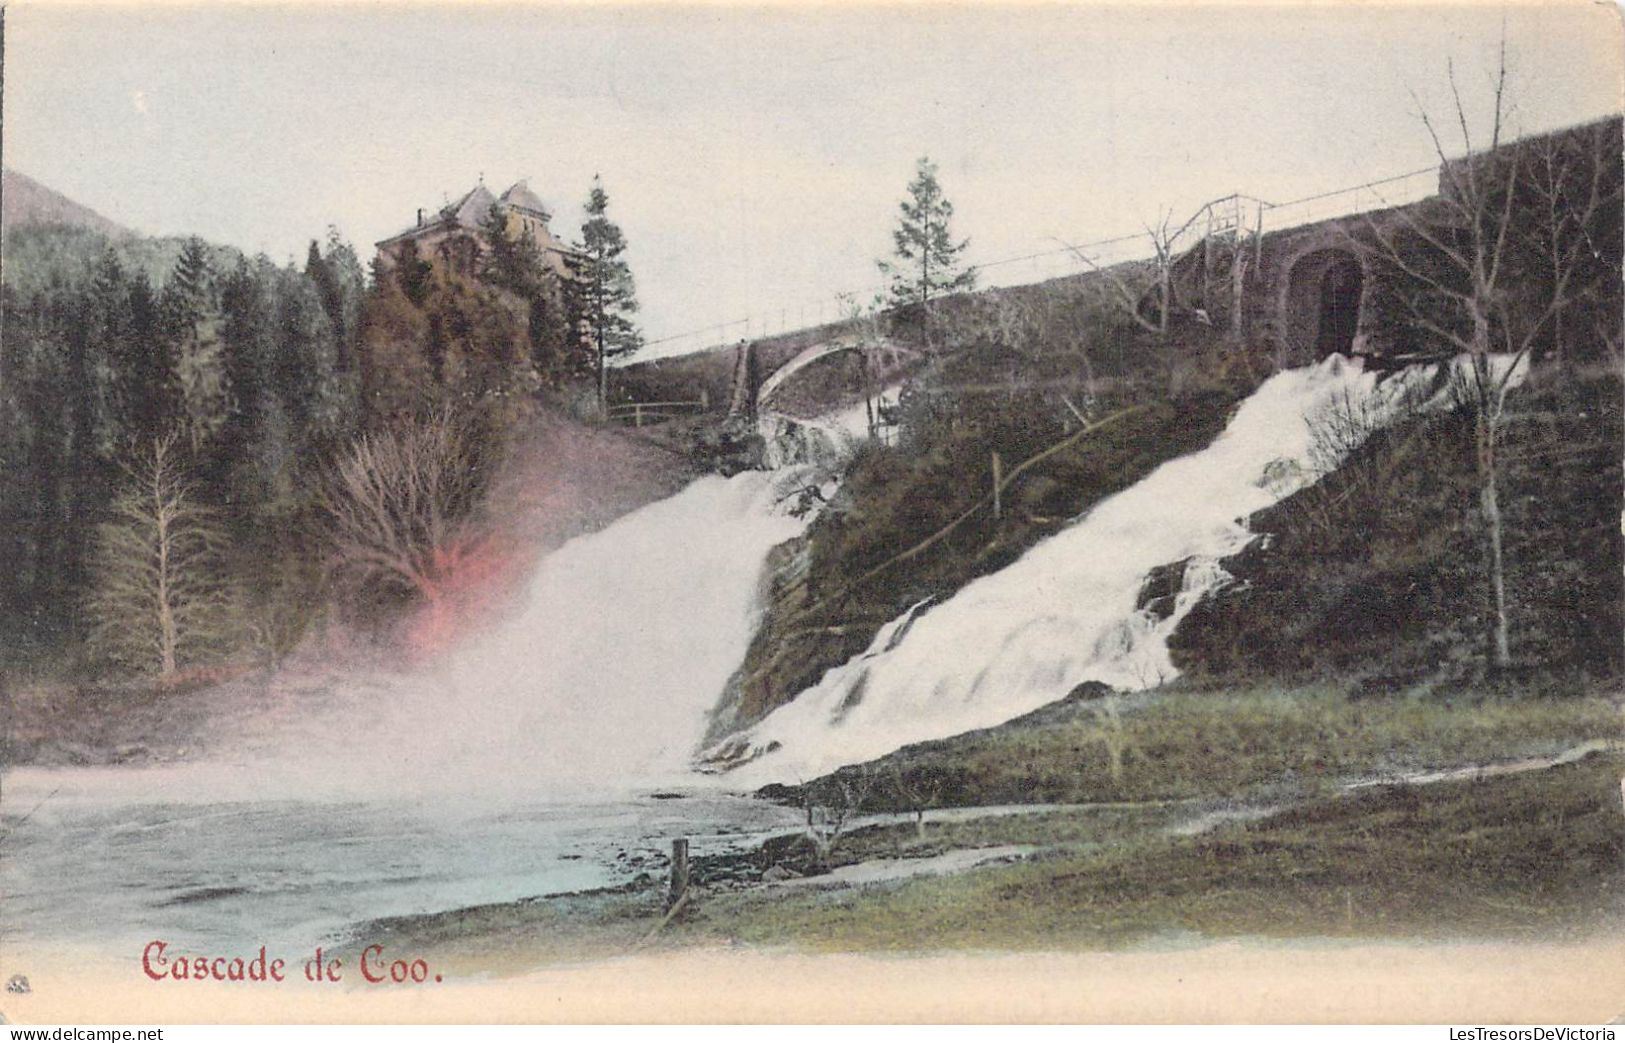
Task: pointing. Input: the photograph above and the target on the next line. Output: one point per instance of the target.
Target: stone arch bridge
(1301, 293)
(807, 372)
(752, 392)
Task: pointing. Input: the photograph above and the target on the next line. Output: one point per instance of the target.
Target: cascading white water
(828, 441)
(603, 679)
(1065, 612)
(514, 767)
(626, 640)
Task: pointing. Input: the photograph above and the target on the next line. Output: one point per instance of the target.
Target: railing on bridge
(639, 413)
(1399, 190)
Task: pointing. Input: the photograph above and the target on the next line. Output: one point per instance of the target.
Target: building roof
(470, 210)
(521, 197)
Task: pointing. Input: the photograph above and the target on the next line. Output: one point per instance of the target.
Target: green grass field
(1519, 856)
(1177, 744)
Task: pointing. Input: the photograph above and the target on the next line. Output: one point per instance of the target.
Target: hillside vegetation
(1052, 373)
(1373, 579)
(207, 459)
(1468, 549)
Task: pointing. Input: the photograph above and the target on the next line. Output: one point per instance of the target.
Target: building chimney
(420, 217)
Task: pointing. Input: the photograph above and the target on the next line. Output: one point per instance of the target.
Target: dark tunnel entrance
(1321, 306)
(1340, 290)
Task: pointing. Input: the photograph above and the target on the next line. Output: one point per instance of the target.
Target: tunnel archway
(1340, 290)
(1322, 302)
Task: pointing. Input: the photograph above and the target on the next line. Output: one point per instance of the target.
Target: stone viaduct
(1297, 293)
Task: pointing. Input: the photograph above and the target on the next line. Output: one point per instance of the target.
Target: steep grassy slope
(1173, 745)
(1525, 856)
(1377, 576)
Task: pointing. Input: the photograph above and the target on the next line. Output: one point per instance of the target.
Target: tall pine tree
(147, 395)
(256, 437)
(192, 315)
(304, 371)
(513, 263)
(337, 273)
(108, 337)
(927, 263)
(605, 293)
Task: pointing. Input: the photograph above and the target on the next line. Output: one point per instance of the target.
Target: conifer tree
(147, 395)
(348, 283)
(199, 361)
(605, 292)
(513, 263)
(107, 317)
(328, 290)
(256, 435)
(414, 275)
(305, 371)
(927, 262)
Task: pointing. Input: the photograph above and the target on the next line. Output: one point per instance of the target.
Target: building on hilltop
(452, 235)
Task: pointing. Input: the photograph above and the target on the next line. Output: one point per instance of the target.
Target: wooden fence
(639, 413)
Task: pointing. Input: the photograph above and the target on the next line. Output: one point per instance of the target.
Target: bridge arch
(752, 390)
(818, 352)
(1322, 301)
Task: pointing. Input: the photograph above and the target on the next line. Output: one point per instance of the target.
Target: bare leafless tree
(159, 597)
(830, 805)
(1131, 292)
(400, 503)
(1573, 182)
(916, 795)
(1451, 261)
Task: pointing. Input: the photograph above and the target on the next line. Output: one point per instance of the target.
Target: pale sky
(753, 156)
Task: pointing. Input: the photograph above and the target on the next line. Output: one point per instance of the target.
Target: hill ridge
(25, 202)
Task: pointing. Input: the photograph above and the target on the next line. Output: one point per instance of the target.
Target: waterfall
(1065, 612)
(601, 680)
(828, 441)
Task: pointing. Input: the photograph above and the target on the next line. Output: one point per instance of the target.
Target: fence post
(679, 871)
(998, 481)
(1258, 237)
(705, 400)
(637, 414)
(1238, 289)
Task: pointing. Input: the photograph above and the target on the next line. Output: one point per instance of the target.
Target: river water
(530, 761)
(107, 862)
